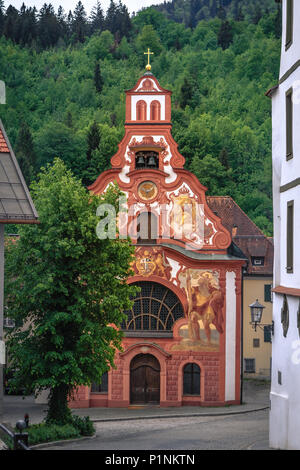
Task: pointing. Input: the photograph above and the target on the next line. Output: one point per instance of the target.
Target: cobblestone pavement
(233, 432)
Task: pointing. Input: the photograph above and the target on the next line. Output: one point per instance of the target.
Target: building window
(268, 292)
(249, 366)
(191, 379)
(268, 333)
(147, 232)
(102, 387)
(289, 23)
(156, 308)
(258, 260)
(290, 237)
(285, 316)
(289, 124)
(256, 342)
(8, 322)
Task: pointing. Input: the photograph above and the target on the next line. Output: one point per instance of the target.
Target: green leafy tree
(66, 288)
(56, 139)
(100, 47)
(148, 37)
(211, 173)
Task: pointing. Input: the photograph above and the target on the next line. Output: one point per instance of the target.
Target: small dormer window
(146, 159)
(258, 260)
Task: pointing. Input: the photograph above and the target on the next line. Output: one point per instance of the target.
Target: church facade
(182, 337)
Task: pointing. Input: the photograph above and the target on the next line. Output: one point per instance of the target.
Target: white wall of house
(285, 386)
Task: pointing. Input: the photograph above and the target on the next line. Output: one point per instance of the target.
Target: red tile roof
(245, 234)
(3, 145)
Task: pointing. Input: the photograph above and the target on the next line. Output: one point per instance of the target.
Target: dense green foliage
(64, 288)
(43, 432)
(219, 70)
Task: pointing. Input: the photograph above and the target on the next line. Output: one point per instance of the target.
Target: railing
(20, 439)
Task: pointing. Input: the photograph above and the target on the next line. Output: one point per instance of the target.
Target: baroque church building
(182, 337)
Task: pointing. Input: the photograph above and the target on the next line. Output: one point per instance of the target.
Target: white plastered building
(285, 385)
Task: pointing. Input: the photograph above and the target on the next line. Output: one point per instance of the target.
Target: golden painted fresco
(205, 318)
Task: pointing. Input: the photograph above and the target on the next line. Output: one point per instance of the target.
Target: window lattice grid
(155, 308)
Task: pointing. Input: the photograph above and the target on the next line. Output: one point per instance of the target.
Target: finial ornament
(148, 66)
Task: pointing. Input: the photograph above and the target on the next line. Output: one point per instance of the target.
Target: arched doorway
(144, 380)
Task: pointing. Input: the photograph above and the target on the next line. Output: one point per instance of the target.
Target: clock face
(147, 190)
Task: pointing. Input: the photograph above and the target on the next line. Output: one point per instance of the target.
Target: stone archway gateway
(144, 380)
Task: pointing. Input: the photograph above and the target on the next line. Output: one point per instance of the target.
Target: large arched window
(141, 111)
(155, 310)
(191, 379)
(155, 111)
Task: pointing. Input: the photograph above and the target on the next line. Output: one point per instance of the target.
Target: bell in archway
(140, 162)
(152, 162)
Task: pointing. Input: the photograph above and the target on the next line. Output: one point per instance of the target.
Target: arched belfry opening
(155, 112)
(146, 159)
(141, 111)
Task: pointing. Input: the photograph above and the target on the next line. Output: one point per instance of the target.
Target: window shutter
(268, 294)
(267, 334)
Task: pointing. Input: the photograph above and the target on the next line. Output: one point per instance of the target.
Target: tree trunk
(58, 410)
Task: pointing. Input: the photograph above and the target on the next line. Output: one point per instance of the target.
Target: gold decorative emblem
(147, 190)
(146, 264)
(152, 261)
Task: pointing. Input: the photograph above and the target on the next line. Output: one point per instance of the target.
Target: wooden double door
(144, 380)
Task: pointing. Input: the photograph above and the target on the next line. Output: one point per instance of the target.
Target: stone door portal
(144, 380)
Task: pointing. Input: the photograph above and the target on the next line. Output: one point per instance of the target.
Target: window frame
(101, 385)
(253, 371)
(289, 123)
(289, 24)
(194, 388)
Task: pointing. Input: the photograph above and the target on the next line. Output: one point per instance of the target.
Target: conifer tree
(25, 153)
(2, 17)
(257, 14)
(79, 25)
(186, 93)
(97, 18)
(93, 139)
(61, 18)
(223, 157)
(49, 29)
(98, 80)
(225, 35)
(221, 12)
(11, 24)
(278, 22)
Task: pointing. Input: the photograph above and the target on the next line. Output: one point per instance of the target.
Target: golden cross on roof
(148, 66)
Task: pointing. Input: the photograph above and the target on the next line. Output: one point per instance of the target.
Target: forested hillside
(66, 74)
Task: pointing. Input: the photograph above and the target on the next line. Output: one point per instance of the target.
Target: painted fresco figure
(206, 303)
